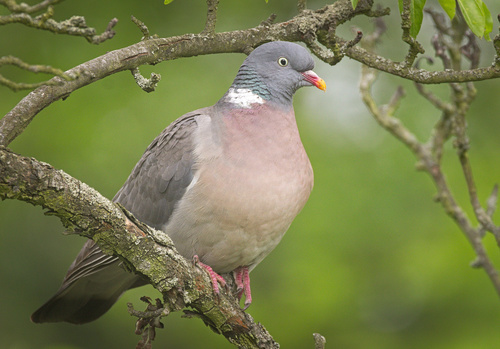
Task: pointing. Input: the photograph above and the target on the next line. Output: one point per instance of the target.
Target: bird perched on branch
(224, 182)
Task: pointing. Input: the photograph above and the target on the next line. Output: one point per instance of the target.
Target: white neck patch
(243, 97)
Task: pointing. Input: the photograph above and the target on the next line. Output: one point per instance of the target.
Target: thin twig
(431, 97)
(471, 49)
(391, 107)
(482, 216)
(75, 25)
(212, 6)
(439, 20)
(142, 27)
(35, 68)
(462, 98)
(440, 50)
(336, 52)
(496, 45)
(491, 203)
(14, 7)
(148, 85)
(415, 47)
(269, 20)
(301, 5)
(319, 341)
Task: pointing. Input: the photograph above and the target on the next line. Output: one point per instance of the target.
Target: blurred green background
(371, 261)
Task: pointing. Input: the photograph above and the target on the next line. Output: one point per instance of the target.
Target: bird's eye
(283, 61)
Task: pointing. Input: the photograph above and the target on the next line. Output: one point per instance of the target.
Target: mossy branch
(148, 85)
(144, 250)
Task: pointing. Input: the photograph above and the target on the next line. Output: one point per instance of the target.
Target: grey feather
(162, 175)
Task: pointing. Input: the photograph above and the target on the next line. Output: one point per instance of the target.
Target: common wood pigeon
(224, 182)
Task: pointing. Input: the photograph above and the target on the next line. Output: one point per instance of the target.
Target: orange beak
(314, 79)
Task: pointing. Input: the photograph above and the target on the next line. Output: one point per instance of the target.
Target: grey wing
(161, 177)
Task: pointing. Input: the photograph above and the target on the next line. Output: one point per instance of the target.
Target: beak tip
(321, 85)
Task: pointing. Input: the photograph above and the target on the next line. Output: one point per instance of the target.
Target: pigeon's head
(275, 70)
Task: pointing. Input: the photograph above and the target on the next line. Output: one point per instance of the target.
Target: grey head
(275, 70)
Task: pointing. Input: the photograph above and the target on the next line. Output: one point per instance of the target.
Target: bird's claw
(242, 280)
(214, 277)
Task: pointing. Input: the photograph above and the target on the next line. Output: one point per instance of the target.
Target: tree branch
(415, 47)
(148, 85)
(143, 28)
(14, 7)
(302, 27)
(301, 5)
(20, 13)
(16, 86)
(144, 250)
(319, 341)
(211, 17)
(420, 75)
(432, 98)
(76, 25)
(157, 50)
(429, 155)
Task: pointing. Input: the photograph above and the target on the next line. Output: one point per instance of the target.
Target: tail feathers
(89, 289)
(85, 300)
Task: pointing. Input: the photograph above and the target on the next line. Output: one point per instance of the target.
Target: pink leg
(242, 280)
(238, 279)
(214, 277)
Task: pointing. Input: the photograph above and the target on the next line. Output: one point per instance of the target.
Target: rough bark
(144, 250)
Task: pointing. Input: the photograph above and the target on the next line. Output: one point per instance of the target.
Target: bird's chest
(257, 188)
(262, 177)
(250, 182)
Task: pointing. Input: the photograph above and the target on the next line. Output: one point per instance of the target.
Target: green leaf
(472, 11)
(354, 3)
(449, 6)
(416, 15)
(168, 2)
(488, 22)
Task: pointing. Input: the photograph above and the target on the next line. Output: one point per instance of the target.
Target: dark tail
(94, 282)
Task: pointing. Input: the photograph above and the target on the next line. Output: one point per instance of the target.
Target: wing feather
(157, 183)
(160, 178)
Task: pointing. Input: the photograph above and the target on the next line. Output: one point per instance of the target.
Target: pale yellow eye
(282, 61)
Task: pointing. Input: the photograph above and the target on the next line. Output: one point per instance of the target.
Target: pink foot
(214, 277)
(242, 280)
